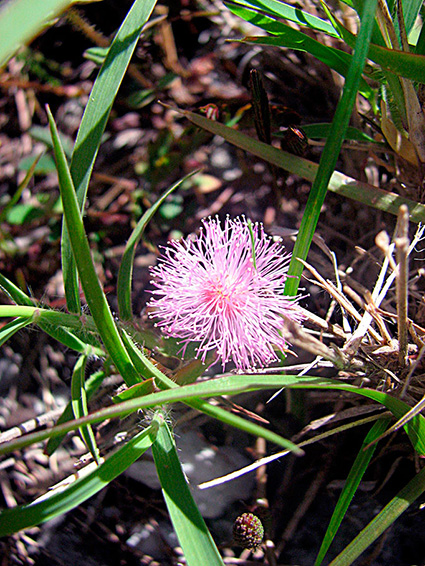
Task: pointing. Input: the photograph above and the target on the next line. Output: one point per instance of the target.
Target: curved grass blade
(339, 183)
(146, 368)
(21, 20)
(91, 386)
(194, 395)
(24, 516)
(93, 125)
(402, 63)
(286, 12)
(353, 480)
(331, 151)
(381, 522)
(17, 195)
(80, 408)
(126, 267)
(14, 292)
(9, 329)
(321, 130)
(95, 296)
(286, 36)
(194, 537)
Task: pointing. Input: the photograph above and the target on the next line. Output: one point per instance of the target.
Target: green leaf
(52, 505)
(93, 125)
(45, 165)
(23, 214)
(353, 480)
(195, 539)
(22, 20)
(96, 54)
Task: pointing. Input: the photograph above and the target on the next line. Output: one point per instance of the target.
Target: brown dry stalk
(402, 247)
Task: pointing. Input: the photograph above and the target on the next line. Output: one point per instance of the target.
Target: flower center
(220, 294)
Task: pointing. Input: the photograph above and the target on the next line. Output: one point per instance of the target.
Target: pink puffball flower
(224, 290)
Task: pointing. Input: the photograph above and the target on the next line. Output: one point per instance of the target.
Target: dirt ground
(188, 63)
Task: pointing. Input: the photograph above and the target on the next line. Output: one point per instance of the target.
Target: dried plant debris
(373, 336)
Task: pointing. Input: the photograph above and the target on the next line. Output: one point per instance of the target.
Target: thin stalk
(402, 249)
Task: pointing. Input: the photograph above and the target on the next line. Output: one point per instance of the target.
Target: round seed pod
(248, 531)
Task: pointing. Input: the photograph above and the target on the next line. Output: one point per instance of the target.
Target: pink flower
(224, 290)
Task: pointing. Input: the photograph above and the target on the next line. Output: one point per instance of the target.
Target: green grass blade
(420, 45)
(331, 151)
(408, 65)
(411, 9)
(9, 329)
(286, 12)
(353, 480)
(91, 386)
(93, 125)
(194, 395)
(95, 296)
(286, 36)
(126, 268)
(22, 186)
(22, 20)
(79, 406)
(146, 368)
(194, 537)
(14, 293)
(87, 343)
(61, 326)
(341, 184)
(321, 130)
(381, 522)
(24, 516)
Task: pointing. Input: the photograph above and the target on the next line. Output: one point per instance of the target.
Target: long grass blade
(21, 20)
(24, 516)
(353, 480)
(91, 386)
(95, 296)
(381, 522)
(286, 12)
(126, 268)
(339, 183)
(194, 537)
(195, 394)
(80, 408)
(331, 151)
(93, 125)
